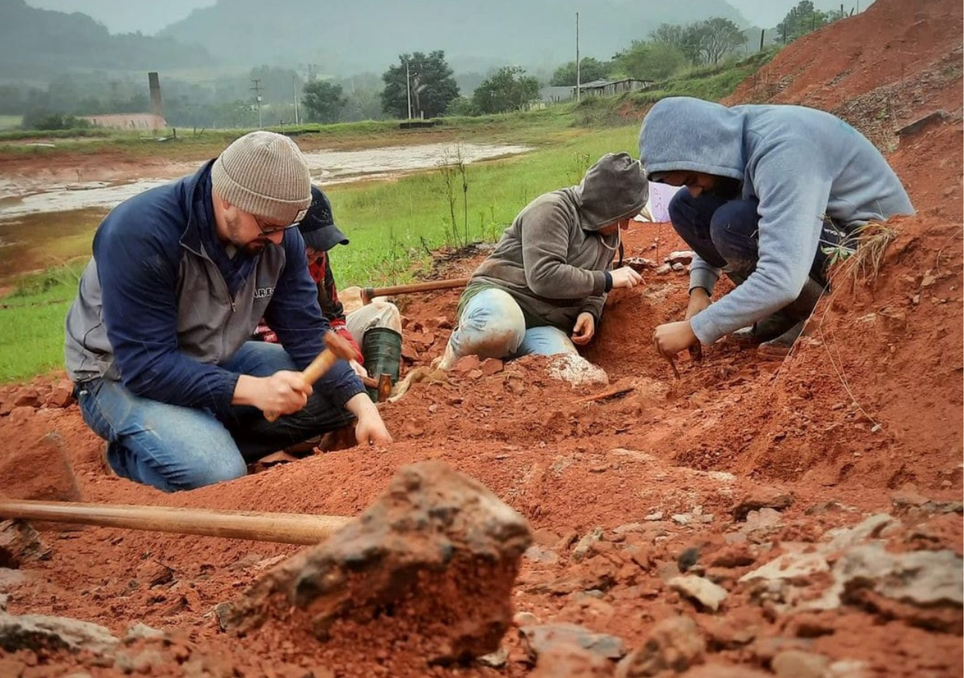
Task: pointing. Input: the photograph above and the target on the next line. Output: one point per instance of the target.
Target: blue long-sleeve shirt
(155, 311)
(801, 164)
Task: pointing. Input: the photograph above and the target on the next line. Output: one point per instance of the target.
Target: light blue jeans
(182, 448)
(493, 326)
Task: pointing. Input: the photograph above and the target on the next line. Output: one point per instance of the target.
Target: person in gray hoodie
(543, 288)
(772, 192)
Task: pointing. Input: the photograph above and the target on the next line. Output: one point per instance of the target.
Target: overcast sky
(127, 16)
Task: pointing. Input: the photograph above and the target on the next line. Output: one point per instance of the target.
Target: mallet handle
(283, 528)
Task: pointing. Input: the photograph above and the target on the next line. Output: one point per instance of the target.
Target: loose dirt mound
(749, 474)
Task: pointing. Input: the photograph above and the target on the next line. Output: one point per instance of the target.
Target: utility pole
(578, 67)
(257, 97)
(408, 88)
(294, 95)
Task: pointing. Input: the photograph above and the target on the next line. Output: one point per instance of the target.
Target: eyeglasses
(271, 229)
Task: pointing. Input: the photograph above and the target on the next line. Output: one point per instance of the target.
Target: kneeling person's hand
(584, 329)
(370, 429)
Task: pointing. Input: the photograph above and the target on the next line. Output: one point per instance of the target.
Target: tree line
(418, 85)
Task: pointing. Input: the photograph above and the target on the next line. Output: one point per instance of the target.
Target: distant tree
(45, 120)
(803, 19)
(720, 37)
(650, 60)
(589, 69)
(463, 106)
(362, 97)
(706, 42)
(429, 79)
(323, 101)
(669, 34)
(507, 90)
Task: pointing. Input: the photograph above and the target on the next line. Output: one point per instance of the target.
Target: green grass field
(393, 225)
(10, 121)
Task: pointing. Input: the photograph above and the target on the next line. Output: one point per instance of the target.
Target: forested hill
(38, 44)
(346, 36)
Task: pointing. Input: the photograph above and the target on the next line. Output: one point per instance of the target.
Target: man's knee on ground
(209, 472)
(493, 325)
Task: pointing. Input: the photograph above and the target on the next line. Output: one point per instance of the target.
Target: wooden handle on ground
(282, 528)
(370, 293)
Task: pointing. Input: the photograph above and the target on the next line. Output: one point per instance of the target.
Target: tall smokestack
(157, 106)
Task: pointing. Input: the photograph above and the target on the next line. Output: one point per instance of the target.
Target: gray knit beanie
(264, 174)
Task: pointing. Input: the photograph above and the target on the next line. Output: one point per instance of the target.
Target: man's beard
(250, 248)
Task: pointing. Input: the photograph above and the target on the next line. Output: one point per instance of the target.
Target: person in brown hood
(543, 288)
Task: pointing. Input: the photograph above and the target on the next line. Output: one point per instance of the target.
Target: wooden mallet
(337, 348)
(369, 293)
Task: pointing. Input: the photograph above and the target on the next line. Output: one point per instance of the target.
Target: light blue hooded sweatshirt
(803, 165)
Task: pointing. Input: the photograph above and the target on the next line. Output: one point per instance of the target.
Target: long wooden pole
(370, 293)
(283, 528)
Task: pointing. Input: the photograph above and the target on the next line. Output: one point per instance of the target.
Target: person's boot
(799, 311)
(382, 350)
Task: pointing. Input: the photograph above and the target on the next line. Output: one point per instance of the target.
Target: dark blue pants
(725, 233)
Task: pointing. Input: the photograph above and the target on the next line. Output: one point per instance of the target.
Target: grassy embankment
(392, 225)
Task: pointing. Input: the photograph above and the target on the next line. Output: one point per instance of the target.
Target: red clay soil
(866, 411)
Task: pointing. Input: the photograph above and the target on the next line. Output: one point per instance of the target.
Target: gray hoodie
(551, 259)
(803, 166)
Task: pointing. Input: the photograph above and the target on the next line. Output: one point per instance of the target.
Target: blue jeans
(493, 326)
(725, 233)
(182, 448)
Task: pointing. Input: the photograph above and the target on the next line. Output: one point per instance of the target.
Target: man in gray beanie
(157, 338)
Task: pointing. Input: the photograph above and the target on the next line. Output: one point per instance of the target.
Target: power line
(257, 97)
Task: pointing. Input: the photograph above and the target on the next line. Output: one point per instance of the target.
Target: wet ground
(44, 220)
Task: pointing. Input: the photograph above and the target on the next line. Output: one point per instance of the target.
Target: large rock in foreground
(434, 558)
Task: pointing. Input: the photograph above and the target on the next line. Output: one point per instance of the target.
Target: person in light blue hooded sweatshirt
(772, 191)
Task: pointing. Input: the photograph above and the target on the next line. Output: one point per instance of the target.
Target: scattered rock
(664, 269)
(538, 640)
(585, 546)
(143, 662)
(682, 257)
(930, 581)
(525, 619)
(467, 364)
(11, 579)
(540, 554)
(703, 591)
(20, 543)
(688, 558)
(761, 498)
(736, 555)
(492, 366)
(28, 397)
(38, 632)
(682, 519)
(674, 644)
(629, 528)
(567, 661)
(790, 566)
(60, 397)
(653, 517)
(576, 370)
(495, 660)
(141, 631)
(799, 664)
(433, 530)
(678, 267)
(152, 573)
